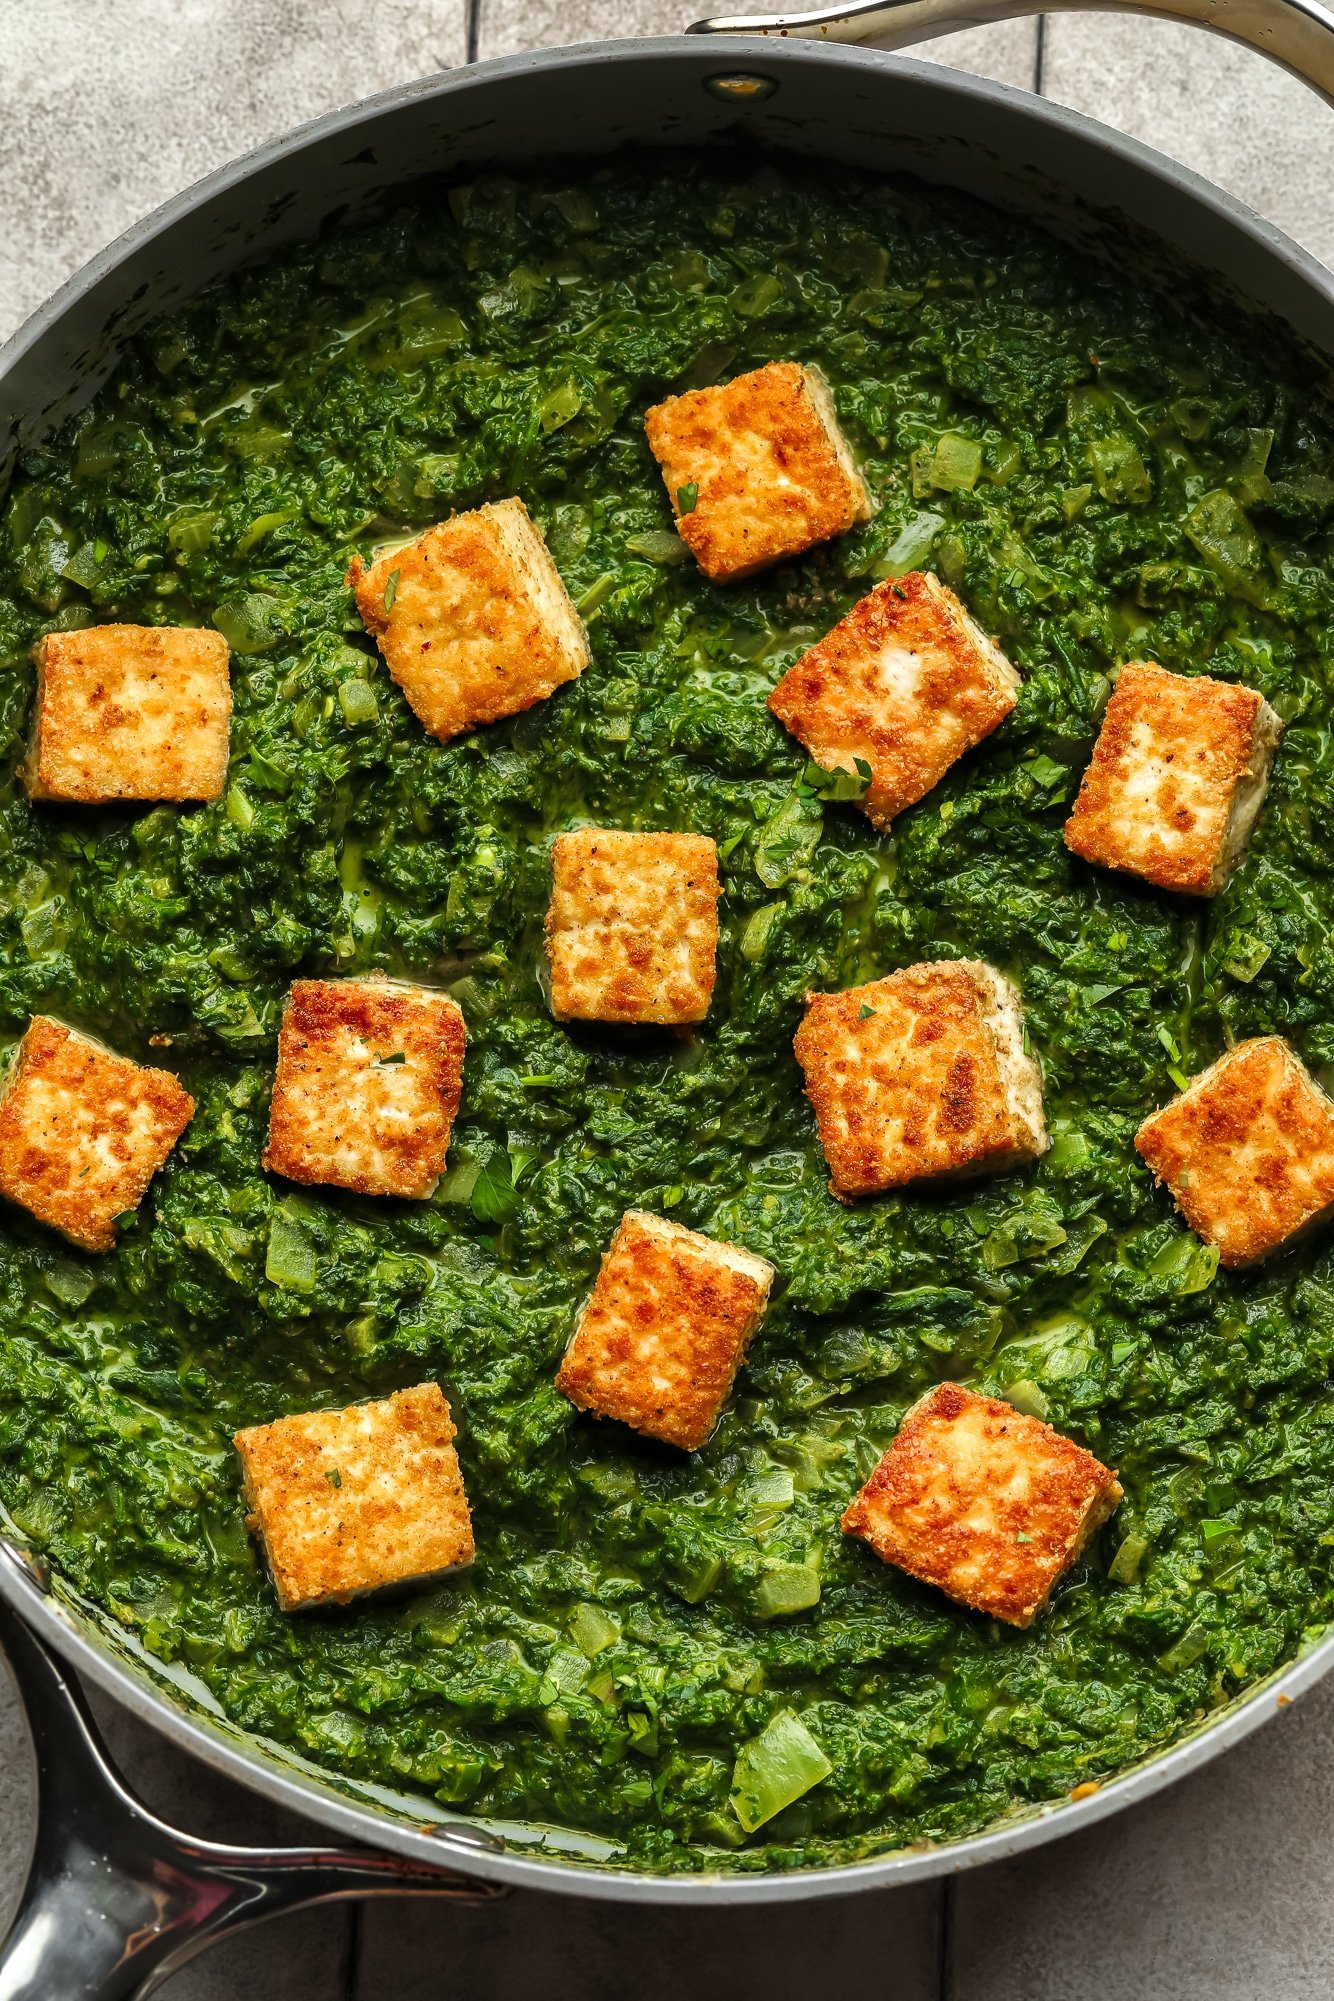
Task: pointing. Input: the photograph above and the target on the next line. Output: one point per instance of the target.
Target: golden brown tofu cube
(1178, 776)
(472, 618)
(1247, 1150)
(921, 1073)
(369, 1074)
(83, 1132)
(756, 470)
(130, 712)
(349, 1501)
(632, 929)
(906, 683)
(665, 1329)
(988, 1505)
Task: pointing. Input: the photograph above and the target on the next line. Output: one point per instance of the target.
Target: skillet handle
(117, 1900)
(1298, 34)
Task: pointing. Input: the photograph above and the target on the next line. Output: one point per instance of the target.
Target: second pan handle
(1298, 34)
(116, 1898)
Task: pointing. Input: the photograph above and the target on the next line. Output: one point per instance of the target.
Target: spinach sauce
(1104, 472)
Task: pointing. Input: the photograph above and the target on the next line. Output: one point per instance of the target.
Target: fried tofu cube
(1178, 776)
(369, 1075)
(632, 928)
(130, 712)
(349, 1501)
(757, 470)
(1247, 1150)
(472, 618)
(922, 1073)
(665, 1329)
(906, 683)
(83, 1132)
(988, 1505)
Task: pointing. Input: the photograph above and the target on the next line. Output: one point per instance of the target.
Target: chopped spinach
(682, 1655)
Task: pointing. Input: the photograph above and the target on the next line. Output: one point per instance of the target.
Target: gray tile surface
(879, 1945)
(16, 1795)
(506, 27)
(107, 107)
(1221, 109)
(1222, 1890)
(297, 1958)
(1005, 52)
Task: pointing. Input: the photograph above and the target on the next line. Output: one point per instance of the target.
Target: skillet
(116, 1901)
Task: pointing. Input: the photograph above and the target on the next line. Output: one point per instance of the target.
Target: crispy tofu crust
(477, 624)
(369, 1075)
(348, 1501)
(921, 1073)
(632, 927)
(775, 473)
(907, 682)
(130, 712)
(987, 1504)
(665, 1329)
(1178, 775)
(1247, 1151)
(83, 1132)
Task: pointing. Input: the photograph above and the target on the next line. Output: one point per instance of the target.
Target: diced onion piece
(957, 463)
(776, 1768)
(593, 1630)
(1124, 1566)
(787, 1587)
(290, 1263)
(249, 624)
(356, 698)
(911, 546)
(1027, 1397)
(658, 545)
(755, 937)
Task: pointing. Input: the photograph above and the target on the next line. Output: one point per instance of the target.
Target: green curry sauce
(1122, 474)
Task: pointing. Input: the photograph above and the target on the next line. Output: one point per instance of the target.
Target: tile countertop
(1222, 1890)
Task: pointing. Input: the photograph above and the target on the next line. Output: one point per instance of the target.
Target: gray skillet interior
(881, 112)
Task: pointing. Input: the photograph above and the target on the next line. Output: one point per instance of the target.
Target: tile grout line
(351, 1980)
(1040, 57)
(473, 34)
(945, 1942)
